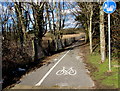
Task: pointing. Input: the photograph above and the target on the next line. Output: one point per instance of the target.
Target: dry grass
(72, 35)
(64, 36)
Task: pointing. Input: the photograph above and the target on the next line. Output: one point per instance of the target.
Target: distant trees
(57, 23)
(85, 17)
(19, 18)
(5, 14)
(89, 12)
(26, 16)
(97, 26)
(115, 32)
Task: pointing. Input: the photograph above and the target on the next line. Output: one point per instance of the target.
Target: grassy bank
(99, 72)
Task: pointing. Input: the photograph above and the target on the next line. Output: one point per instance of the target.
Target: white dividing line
(40, 82)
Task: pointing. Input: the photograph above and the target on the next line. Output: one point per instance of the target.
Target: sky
(69, 17)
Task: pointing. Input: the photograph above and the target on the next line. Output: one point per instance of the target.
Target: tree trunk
(86, 35)
(90, 29)
(21, 23)
(102, 35)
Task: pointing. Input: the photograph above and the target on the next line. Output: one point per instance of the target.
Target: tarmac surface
(66, 70)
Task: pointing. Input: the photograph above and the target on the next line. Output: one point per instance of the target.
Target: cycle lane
(80, 79)
(67, 59)
(35, 76)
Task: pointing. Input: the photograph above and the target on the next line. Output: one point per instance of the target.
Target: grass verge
(99, 72)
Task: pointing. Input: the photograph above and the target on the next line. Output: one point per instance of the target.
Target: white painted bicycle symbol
(64, 71)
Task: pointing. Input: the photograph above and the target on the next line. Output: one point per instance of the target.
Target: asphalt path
(66, 70)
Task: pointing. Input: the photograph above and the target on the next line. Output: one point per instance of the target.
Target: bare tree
(102, 35)
(85, 18)
(21, 24)
(90, 28)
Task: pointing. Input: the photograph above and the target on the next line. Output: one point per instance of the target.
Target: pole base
(109, 71)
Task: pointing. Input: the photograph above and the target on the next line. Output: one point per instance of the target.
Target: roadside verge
(98, 71)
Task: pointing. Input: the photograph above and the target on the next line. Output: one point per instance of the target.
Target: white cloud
(67, 11)
(70, 23)
(13, 9)
(70, 11)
